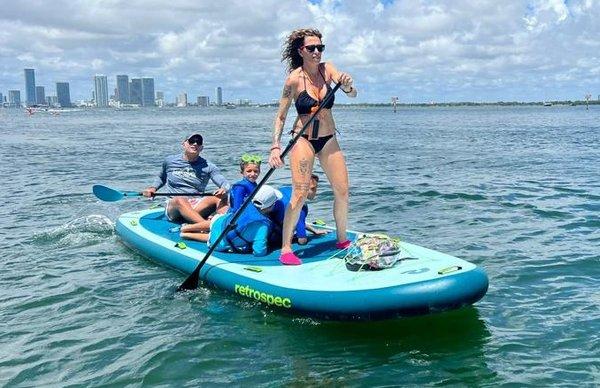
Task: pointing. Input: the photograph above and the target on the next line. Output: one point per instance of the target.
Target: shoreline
(349, 105)
(499, 103)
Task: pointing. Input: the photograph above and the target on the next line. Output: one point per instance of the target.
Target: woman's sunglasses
(311, 47)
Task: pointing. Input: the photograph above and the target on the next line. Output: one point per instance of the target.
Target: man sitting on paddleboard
(189, 173)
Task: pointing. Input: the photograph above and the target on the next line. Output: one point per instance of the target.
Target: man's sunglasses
(194, 140)
(311, 47)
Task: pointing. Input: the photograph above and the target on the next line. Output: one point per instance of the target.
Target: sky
(417, 50)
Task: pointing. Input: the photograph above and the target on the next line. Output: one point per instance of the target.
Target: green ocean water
(514, 190)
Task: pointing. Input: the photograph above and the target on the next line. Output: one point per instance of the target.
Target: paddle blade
(191, 283)
(106, 193)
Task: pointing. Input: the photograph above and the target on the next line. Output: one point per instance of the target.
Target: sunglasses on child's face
(311, 48)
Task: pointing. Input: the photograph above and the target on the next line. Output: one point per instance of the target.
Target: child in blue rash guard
(250, 170)
(252, 228)
(301, 225)
(277, 213)
(251, 233)
(272, 203)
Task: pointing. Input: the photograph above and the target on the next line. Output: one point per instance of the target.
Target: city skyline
(529, 50)
(140, 91)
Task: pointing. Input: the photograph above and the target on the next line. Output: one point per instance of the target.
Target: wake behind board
(424, 281)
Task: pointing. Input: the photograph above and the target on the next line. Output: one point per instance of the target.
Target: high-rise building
(203, 101)
(30, 87)
(40, 95)
(51, 100)
(160, 99)
(123, 89)
(148, 91)
(14, 98)
(63, 95)
(1, 100)
(101, 90)
(135, 91)
(182, 100)
(219, 96)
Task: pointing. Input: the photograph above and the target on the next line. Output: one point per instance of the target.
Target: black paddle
(108, 194)
(191, 283)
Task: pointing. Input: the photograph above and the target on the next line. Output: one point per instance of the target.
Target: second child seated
(272, 203)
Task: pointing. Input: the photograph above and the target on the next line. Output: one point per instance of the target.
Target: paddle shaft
(177, 194)
(108, 194)
(191, 283)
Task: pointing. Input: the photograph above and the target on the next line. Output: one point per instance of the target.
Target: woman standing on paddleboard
(308, 85)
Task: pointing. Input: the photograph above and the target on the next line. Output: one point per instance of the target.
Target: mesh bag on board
(373, 252)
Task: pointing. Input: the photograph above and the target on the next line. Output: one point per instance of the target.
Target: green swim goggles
(251, 158)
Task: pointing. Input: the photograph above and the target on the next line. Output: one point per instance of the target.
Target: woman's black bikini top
(304, 102)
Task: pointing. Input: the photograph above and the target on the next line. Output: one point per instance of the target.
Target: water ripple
(512, 189)
(78, 232)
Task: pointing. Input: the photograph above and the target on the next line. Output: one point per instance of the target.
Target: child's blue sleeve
(236, 197)
(261, 238)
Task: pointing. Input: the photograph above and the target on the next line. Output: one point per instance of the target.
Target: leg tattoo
(303, 167)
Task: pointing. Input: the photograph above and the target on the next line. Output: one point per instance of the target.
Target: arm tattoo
(281, 115)
(287, 92)
(278, 127)
(277, 134)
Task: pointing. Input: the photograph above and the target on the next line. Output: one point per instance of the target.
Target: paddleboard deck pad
(424, 281)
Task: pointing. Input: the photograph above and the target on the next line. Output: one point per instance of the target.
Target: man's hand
(149, 192)
(220, 193)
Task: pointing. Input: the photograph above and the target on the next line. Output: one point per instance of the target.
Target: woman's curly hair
(291, 45)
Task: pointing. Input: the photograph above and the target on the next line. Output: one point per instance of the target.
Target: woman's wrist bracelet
(349, 91)
(275, 148)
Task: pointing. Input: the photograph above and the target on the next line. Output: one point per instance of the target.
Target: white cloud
(420, 50)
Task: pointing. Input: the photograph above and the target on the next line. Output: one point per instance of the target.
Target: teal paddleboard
(424, 281)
